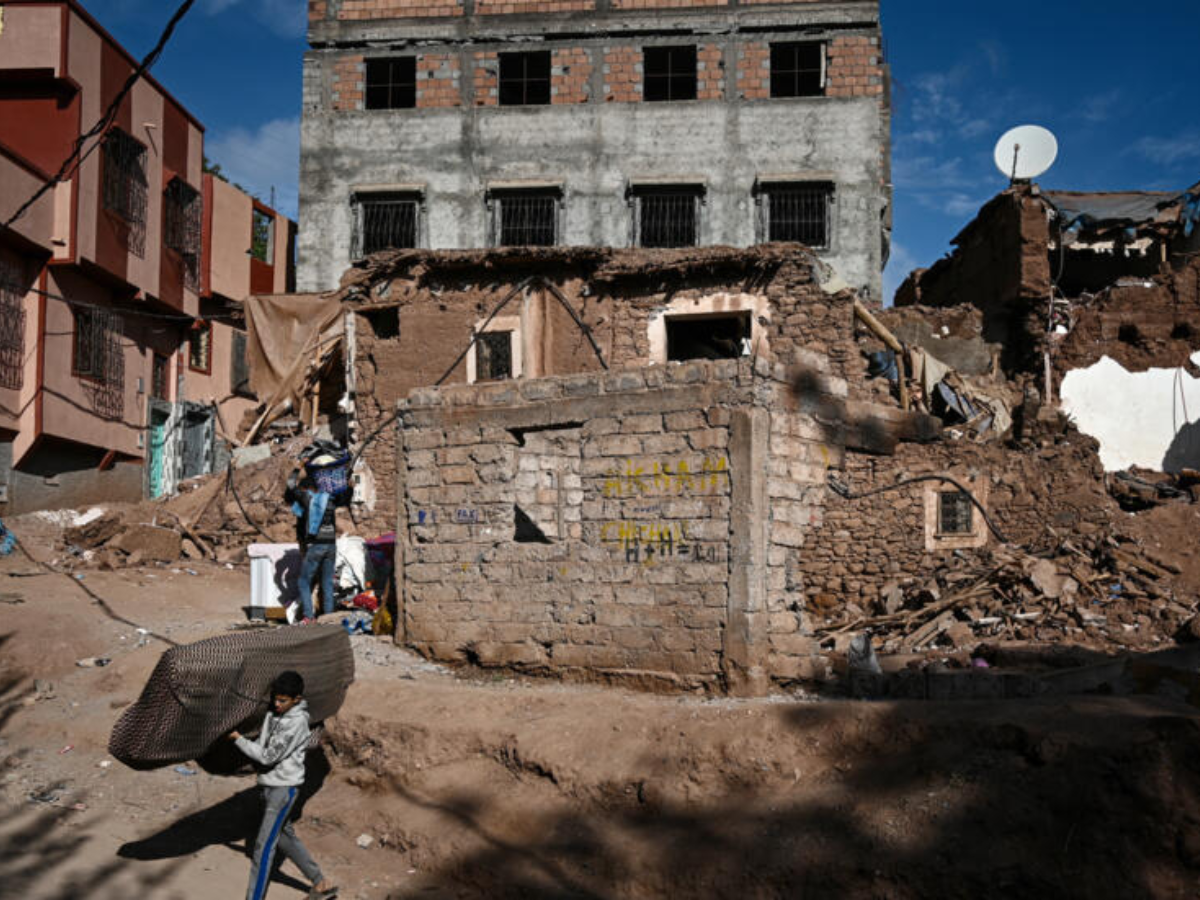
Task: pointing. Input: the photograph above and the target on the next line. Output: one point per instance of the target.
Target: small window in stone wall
(708, 337)
(493, 356)
(391, 83)
(956, 514)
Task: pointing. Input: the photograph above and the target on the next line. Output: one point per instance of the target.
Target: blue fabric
(322, 556)
(318, 501)
(267, 853)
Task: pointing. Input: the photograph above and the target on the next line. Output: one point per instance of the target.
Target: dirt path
(498, 788)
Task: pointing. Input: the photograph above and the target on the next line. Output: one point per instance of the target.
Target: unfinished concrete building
(472, 123)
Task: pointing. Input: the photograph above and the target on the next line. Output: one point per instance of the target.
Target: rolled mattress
(200, 692)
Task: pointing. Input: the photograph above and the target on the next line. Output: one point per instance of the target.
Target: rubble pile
(1107, 593)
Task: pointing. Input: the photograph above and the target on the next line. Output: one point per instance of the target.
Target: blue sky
(1118, 84)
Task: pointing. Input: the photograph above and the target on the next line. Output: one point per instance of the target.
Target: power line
(76, 157)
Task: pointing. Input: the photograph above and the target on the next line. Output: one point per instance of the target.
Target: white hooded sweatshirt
(280, 747)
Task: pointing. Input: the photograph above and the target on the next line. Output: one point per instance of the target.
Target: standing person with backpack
(316, 532)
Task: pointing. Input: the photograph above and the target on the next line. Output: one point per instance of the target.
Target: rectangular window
(182, 228)
(955, 513)
(160, 378)
(12, 322)
(525, 78)
(797, 211)
(391, 83)
(493, 356)
(385, 222)
(126, 187)
(239, 367)
(262, 237)
(667, 216)
(200, 347)
(669, 73)
(708, 337)
(98, 358)
(798, 69)
(525, 218)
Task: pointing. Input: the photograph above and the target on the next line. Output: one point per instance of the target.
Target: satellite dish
(1026, 152)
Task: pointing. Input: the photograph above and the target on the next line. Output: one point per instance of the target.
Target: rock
(92, 534)
(246, 456)
(891, 598)
(190, 550)
(1046, 578)
(365, 841)
(154, 543)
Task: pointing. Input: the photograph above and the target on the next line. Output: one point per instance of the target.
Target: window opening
(955, 513)
(384, 322)
(797, 212)
(391, 83)
(525, 218)
(262, 237)
(126, 186)
(182, 228)
(669, 73)
(200, 347)
(708, 337)
(384, 222)
(525, 530)
(525, 78)
(239, 368)
(493, 356)
(99, 359)
(798, 69)
(667, 216)
(12, 325)
(160, 379)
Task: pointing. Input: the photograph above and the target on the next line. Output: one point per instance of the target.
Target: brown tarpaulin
(285, 335)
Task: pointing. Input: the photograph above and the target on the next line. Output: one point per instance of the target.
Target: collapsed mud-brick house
(1093, 301)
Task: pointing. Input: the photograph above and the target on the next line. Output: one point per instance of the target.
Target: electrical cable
(77, 156)
(843, 491)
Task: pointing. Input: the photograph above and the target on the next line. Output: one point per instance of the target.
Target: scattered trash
(79, 807)
(365, 841)
(93, 662)
(184, 770)
(104, 764)
(46, 795)
(66, 749)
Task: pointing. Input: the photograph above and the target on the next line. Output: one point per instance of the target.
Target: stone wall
(641, 525)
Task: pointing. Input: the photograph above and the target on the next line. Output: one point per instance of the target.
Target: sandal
(327, 894)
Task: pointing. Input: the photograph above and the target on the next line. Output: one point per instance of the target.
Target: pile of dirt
(1107, 593)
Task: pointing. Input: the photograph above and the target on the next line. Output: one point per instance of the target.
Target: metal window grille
(798, 69)
(798, 212)
(526, 219)
(493, 356)
(669, 73)
(100, 360)
(200, 346)
(262, 236)
(126, 187)
(160, 380)
(955, 513)
(667, 217)
(391, 83)
(12, 325)
(182, 228)
(525, 78)
(384, 223)
(239, 366)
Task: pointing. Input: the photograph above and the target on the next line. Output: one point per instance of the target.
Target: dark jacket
(327, 533)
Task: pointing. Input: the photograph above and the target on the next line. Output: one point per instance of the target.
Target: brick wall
(398, 9)
(570, 75)
(650, 528)
(507, 7)
(667, 4)
(855, 67)
(710, 73)
(349, 74)
(317, 10)
(438, 80)
(486, 76)
(622, 74)
(754, 71)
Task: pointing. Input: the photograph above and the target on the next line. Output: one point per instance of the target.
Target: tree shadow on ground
(1088, 798)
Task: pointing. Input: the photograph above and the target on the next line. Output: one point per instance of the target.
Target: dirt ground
(490, 787)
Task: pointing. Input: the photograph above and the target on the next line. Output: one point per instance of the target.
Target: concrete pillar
(745, 639)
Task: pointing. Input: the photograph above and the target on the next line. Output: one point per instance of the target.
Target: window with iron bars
(525, 218)
(200, 347)
(493, 356)
(385, 222)
(262, 237)
(955, 513)
(239, 366)
(667, 216)
(796, 211)
(126, 187)
(798, 69)
(160, 378)
(391, 83)
(12, 323)
(525, 78)
(669, 73)
(99, 359)
(182, 228)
